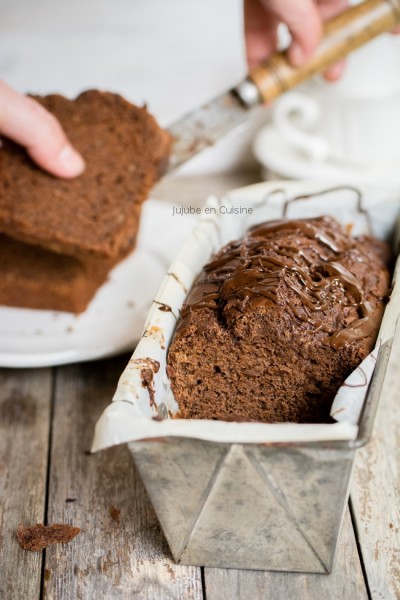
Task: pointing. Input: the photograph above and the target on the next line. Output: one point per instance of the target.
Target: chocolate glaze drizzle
(304, 255)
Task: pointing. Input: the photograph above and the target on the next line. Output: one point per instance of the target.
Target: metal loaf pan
(276, 506)
(252, 496)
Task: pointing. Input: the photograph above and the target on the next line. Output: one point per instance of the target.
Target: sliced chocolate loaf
(276, 322)
(31, 277)
(95, 214)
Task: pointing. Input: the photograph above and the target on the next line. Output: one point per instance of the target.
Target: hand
(29, 124)
(304, 19)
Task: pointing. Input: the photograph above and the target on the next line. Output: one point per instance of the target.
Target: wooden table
(47, 475)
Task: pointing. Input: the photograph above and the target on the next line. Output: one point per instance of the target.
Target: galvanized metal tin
(248, 495)
(254, 506)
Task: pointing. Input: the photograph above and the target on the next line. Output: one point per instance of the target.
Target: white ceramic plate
(281, 159)
(114, 319)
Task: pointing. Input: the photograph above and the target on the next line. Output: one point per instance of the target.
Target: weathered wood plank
(116, 555)
(346, 582)
(25, 401)
(375, 494)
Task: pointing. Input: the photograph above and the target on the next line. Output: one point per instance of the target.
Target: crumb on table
(37, 537)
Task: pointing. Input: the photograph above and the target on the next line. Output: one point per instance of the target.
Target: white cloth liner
(130, 415)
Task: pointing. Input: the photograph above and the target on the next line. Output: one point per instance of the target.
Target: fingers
(259, 45)
(260, 32)
(29, 124)
(304, 20)
(305, 25)
(329, 9)
(335, 72)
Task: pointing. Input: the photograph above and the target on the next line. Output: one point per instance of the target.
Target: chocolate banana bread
(276, 322)
(96, 213)
(31, 277)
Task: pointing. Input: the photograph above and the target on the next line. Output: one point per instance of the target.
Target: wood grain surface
(25, 406)
(375, 494)
(121, 552)
(48, 475)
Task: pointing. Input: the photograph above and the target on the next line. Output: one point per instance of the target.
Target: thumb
(305, 25)
(26, 122)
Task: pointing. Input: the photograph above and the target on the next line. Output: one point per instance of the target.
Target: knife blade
(203, 127)
(344, 33)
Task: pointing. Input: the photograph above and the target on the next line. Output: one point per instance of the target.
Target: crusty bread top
(276, 321)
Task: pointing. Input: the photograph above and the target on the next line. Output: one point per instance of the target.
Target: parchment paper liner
(131, 415)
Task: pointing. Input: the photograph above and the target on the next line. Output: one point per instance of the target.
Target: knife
(346, 32)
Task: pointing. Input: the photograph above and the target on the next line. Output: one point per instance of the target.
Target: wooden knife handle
(343, 34)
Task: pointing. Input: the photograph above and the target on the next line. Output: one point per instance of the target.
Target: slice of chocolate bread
(276, 322)
(95, 214)
(31, 277)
